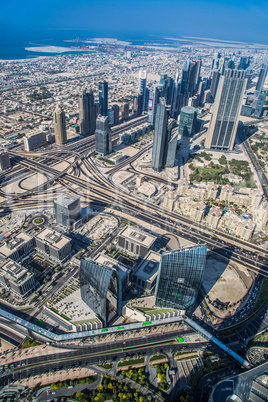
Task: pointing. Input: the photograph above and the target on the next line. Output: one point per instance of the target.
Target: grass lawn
(131, 362)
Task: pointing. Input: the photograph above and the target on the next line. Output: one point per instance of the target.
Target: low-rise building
(214, 216)
(17, 247)
(53, 244)
(17, 279)
(135, 241)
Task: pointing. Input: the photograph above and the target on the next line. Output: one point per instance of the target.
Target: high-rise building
(187, 121)
(179, 276)
(101, 290)
(4, 161)
(135, 105)
(160, 141)
(227, 107)
(215, 62)
(262, 75)
(67, 210)
(214, 82)
(103, 139)
(153, 101)
(125, 111)
(60, 126)
(115, 108)
(258, 104)
(142, 88)
(87, 114)
(103, 98)
(167, 87)
(184, 78)
(244, 63)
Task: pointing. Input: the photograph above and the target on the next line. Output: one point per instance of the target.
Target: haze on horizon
(237, 20)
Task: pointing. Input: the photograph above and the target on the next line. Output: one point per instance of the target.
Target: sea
(12, 45)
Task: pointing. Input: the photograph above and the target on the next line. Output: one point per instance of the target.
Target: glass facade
(179, 276)
(187, 121)
(101, 290)
(67, 210)
(160, 136)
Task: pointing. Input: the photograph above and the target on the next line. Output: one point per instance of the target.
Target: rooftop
(66, 199)
(15, 272)
(148, 268)
(138, 236)
(53, 238)
(12, 244)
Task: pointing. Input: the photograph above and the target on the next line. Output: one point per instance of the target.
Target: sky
(239, 20)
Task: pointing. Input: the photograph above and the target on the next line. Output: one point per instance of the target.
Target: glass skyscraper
(179, 276)
(227, 108)
(160, 143)
(101, 289)
(103, 98)
(142, 88)
(103, 139)
(67, 209)
(87, 113)
(187, 121)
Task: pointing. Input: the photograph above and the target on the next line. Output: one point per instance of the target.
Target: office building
(101, 290)
(244, 63)
(103, 138)
(142, 88)
(17, 279)
(214, 82)
(135, 241)
(179, 276)
(153, 102)
(123, 270)
(125, 111)
(115, 109)
(187, 121)
(262, 75)
(33, 140)
(103, 98)
(227, 107)
(160, 141)
(67, 210)
(111, 117)
(144, 276)
(171, 149)
(87, 113)
(17, 247)
(60, 126)
(4, 161)
(53, 244)
(258, 104)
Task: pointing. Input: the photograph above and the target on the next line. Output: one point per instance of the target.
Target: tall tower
(227, 108)
(60, 126)
(87, 115)
(103, 98)
(214, 82)
(179, 276)
(103, 140)
(142, 88)
(160, 142)
(262, 76)
(153, 101)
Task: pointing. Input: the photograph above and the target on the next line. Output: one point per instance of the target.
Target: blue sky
(222, 19)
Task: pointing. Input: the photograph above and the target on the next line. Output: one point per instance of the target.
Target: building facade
(101, 290)
(60, 126)
(227, 108)
(103, 138)
(103, 98)
(142, 89)
(53, 244)
(67, 210)
(87, 113)
(179, 276)
(160, 141)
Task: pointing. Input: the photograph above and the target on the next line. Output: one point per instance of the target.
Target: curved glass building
(179, 276)
(101, 290)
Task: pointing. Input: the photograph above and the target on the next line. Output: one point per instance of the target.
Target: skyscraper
(142, 88)
(153, 101)
(179, 276)
(67, 209)
(214, 82)
(87, 114)
(244, 63)
(187, 121)
(227, 107)
(125, 111)
(115, 108)
(101, 289)
(103, 98)
(60, 126)
(103, 140)
(262, 76)
(160, 141)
